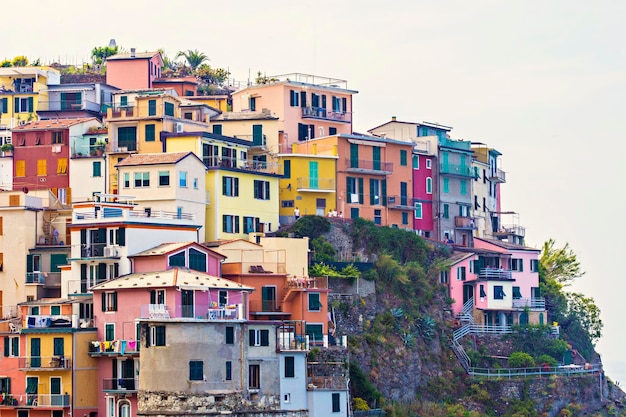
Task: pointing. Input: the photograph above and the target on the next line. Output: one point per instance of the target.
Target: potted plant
(99, 146)
(7, 148)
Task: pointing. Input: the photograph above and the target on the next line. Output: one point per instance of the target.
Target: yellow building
(23, 91)
(218, 101)
(59, 373)
(242, 194)
(308, 183)
(137, 119)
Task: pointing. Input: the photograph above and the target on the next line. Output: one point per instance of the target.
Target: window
(230, 335)
(150, 133)
(460, 273)
(287, 203)
(195, 183)
(443, 277)
(96, 169)
(123, 101)
(4, 105)
(12, 346)
(62, 166)
(182, 179)
(254, 376)
(23, 105)
(217, 129)
(127, 138)
(287, 168)
(259, 337)
(109, 301)
(142, 179)
(164, 178)
(5, 385)
(335, 402)
(429, 185)
(229, 371)
(463, 187)
(252, 103)
(405, 218)
(290, 369)
(58, 346)
(55, 310)
(429, 164)
(109, 332)
(20, 168)
(517, 265)
(157, 336)
(332, 131)
(314, 301)
(57, 138)
(517, 294)
(294, 98)
(152, 105)
(251, 224)
(196, 370)
(416, 162)
(230, 224)
(498, 292)
(418, 210)
(446, 185)
(483, 294)
(534, 265)
(446, 211)
(261, 190)
(177, 259)
(42, 167)
(169, 109)
(126, 180)
(403, 158)
(230, 186)
(376, 197)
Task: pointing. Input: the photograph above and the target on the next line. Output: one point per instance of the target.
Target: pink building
(185, 255)
(496, 283)
(423, 179)
(176, 293)
(135, 70)
(307, 106)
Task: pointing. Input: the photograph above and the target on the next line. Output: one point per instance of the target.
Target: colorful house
(131, 310)
(134, 70)
(189, 255)
(243, 194)
(307, 106)
(42, 152)
(184, 86)
(486, 189)
(166, 182)
(73, 100)
(56, 367)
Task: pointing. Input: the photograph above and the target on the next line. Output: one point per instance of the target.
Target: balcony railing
(462, 222)
(240, 164)
(35, 278)
(455, 169)
(44, 400)
(369, 165)
(495, 273)
(265, 306)
(402, 202)
(315, 184)
(506, 230)
(45, 362)
(322, 113)
(126, 214)
(113, 347)
(68, 105)
(327, 382)
(161, 311)
(308, 282)
(497, 176)
(120, 384)
(533, 303)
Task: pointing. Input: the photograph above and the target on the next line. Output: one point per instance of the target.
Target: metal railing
(45, 362)
(116, 213)
(323, 113)
(369, 165)
(113, 347)
(240, 164)
(316, 184)
(497, 176)
(47, 400)
(68, 105)
(495, 273)
(265, 306)
(567, 370)
(463, 222)
(35, 278)
(533, 303)
(120, 384)
(511, 230)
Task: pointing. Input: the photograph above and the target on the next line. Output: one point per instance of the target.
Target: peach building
(134, 70)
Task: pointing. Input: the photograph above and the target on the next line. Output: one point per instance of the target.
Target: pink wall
(160, 262)
(133, 73)
(31, 153)
(426, 223)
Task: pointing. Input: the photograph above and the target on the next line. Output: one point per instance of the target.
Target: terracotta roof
(192, 80)
(175, 277)
(53, 124)
(457, 257)
(153, 158)
(168, 247)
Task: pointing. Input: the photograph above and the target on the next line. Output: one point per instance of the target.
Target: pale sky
(541, 81)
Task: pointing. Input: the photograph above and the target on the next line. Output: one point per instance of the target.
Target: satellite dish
(25, 190)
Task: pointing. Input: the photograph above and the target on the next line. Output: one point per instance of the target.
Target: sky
(544, 82)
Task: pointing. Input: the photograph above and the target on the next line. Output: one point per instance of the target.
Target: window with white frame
(230, 223)
(534, 265)
(164, 178)
(418, 210)
(126, 180)
(259, 337)
(314, 301)
(109, 301)
(429, 185)
(142, 179)
(12, 346)
(429, 164)
(230, 186)
(443, 277)
(460, 273)
(517, 265)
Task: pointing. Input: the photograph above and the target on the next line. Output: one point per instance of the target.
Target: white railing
(534, 303)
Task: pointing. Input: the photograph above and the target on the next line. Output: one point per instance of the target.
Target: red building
(42, 151)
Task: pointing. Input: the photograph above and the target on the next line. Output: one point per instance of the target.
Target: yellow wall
(85, 371)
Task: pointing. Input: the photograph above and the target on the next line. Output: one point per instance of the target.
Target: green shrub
(521, 360)
(546, 360)
(311, 226)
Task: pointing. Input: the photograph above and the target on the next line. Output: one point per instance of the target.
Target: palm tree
(194, 58)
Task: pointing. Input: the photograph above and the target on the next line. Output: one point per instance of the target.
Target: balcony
(495, 274)
(456, 169)
(42, 400)
(48, 321)
(369, 166)
(497, 176)
(265, 306)
(507, 230)
(308, 282)
(113, 347)
(532, 303)
(216, 162)
(120, 385)
(45, 363)
(124, 214)
(323, 114)
(35, 278)
(257, 140)
(211, 313)
(68, 105)
(98, 250)
(118, 111)
(399, 202)
(319, 185)
(464, 223)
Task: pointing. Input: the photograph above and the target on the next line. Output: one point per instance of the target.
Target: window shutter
(251, 337)
(29, 263)
(153, 297)
(121, 238)
(372, 199)
(104, 301)
(5, 104)
(236, 187)
(6, 346)
(236, 220)
(83, 237)
(302, 98)
(115, 301)
(360, 190)
(265, 337)
(102, 272)
(223, 185)
(31, 107)
(344, 104)
(224, 223)
(16, 105)
(384, 190)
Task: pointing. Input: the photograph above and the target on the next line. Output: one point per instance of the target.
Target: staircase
(466, 315)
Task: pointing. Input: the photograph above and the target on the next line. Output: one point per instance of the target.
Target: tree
(211, 75)
(559, 264)
(20, 61)
(587, 313)
(194, 58)
(99, 54)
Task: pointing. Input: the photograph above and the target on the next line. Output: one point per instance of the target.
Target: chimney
(393, 118)
(132, 52)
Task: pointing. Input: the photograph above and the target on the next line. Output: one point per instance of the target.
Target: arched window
(124, 409)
